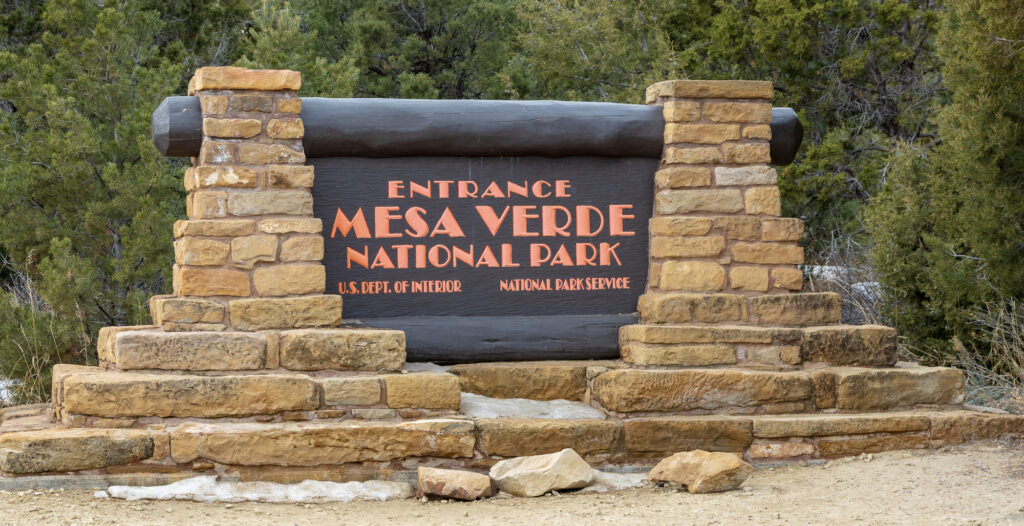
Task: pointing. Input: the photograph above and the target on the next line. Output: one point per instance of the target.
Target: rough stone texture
(200, 252)
(452, 484)
(739, 227)
(780, 450)
(752, 112)
(214, 227)
(865, 345)
(726, 201)
(689, 247)
(703, 89)
(244, 103)
(745, 175)
(302, 248)
(289, 176)
(682, 177)
(680, 226)
(837, 424)
(290, 128)
(701, 133)
(118, 394)
(768, 253)
(696, 334)
(517, 437)
(216, 152)
(757, 153)
(787, 278)
(231, 128)
(536, 475)
(314, 444)
(249, 250)
(667, 435)
(190, 351)
(857, 446)
(681, 111)
(60, 449)
(305, 225)
(692, 275)
(289, 106)
(213, 104)
(105, 340)
(800, 309)
(693, 155)
(277, 202)
(185, 310)
(874, 389)
(629, 391)
(345, 349)
(950, 428)
(223, 177)
(235, 78)
(782, 229)
(351, 390)
(259, 153)
(286, 280)
(681, 307)
(823, 383)
(425, 390)
(531, 380)
(758, 131)
(682, 355)
(703, 472)
(259, 314)
(748, 278)
(763, 200)
(207, 204)
(198, 281)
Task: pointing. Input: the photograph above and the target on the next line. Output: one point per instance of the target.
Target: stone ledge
(863, 389)
(60, 450)
(515, 437)
(662, 436)
(235, 78)
(426, 390)
(699, 89)
(285, 313)
(343, 349)
(190, 351)
(553, 380)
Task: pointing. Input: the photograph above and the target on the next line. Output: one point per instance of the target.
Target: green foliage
(948, 225)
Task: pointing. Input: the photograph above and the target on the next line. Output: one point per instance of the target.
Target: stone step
(778, 310)
(782, 347)
(348, 349)
(740, 391)
(92, 397)
(544, 380)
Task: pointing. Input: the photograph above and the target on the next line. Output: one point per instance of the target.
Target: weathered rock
(704, 334)
(105, 340)
(298, 225)
(781, 450)
(351, 390)
(681, 111)
(287, 280)
(864, 389)
(768, 253)
(676, 354)
(314, 444)
(290, 128)
(866, 345)
(687, 246)
(200, 252)
(517, 437)
(682, 307)
(665, 435)
(682, 177)
(283, 202)
(452, 484)
(680, 226)
(345, 349)
(744, 277)
(692, 275)
(745, 175)
(61, 449)
(956, 427)
(856, 446)
(185, 310)
(700, 89)
(702, 472)
(701, 133)
(248, 250)
(836, 424)
(285, 313)
(782, 229)
(231, 128)
(797, 309)
(425, 390)
(739, 227)
(754, 112)
(536, 475)
(629, 391)
(117, 394)
(190, 351)
(289, 106)
(235, 78)
(199, 281)
(531, 380)
(671, 202)
(302, 248)
(763, 200)
(214, 227)
(737, 153)
(787, 278)
(289, 176)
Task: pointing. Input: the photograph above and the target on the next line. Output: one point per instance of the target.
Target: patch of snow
(605, 481)
(478, 406)
(5, 391)
(425, 366)
(825, 272)
(208, 489)
(870, 289)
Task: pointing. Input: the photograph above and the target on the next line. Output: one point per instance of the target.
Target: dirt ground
(977, 484)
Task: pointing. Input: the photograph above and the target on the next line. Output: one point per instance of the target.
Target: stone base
(780, 310)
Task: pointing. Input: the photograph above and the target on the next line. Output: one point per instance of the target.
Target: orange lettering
(416, 188)
(395, 190)
(382, 219)
(493, 190)
(519, 217)
(414, 216)
(491, 219)
(562, 187)
(535, 254)
(537, 192)
(615, 217)
(447, 225)
(359, 258)
(583, 221)
(382, 260)
(343, 225)
(487, 258)
(464, 189)
(549, 221)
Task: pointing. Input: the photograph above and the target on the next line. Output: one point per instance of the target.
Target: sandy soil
(976, 484)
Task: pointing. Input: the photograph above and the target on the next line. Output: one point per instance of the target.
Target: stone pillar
(249, 255)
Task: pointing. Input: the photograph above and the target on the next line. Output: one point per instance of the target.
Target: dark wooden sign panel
(485, 236)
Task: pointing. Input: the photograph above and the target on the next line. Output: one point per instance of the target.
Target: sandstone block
(681, 111)
(705, 334)
(316, 444)
(666, 435)
(874, 389)
(231, 128)
(693, 155)
(537, 475)
(726, 201)
(763, 200)
(788, 278)
(452, 484)
(758, 131)
(214, 228)
(235, 78)
(289, 176)
(687, 247)
(207, 205)
(119, 394)
(224, 176)
(287, 280)
(837, 424)
(60, 449)
(654, 274)
(768, 253)
(351, 390)
(781, 450)
(190, 351)
(192, 281)
(304, 225)
(242, 103)
(185, 310)
(629, 391)
(517, 437)
(675, 354)
(803, 309)
(736, 153)
(782, 229)
(752, 112)
(213, 104)
(344, 349)
(531, 380)
(216, 152)
(680, 226)
(692, 275)
(738, 227)
(745, 175)
(702, 89)
(289, 106)
(956, 427)
(249, 250)
(288, 128)
(105, 344)
(260, 153)
(425, 390)
(748, 278)
(823, 382)
(259, 314)
(857, 446)
(200, 252)
(302, 248)
(277, 202)
(701, 133)
(682, 177)
(703, 472)
(366, 413)
(680, 307)
(867, 345)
